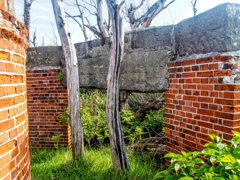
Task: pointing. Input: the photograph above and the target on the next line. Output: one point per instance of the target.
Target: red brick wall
(198, 103)
(14, 147)
(47, 99)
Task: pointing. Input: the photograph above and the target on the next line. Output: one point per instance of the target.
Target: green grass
(97, 165)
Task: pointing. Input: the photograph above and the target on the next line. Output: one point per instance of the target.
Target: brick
(190, 98)
(4, 138)
(4, 56)
(187, 69)
(10, 90)
(205, 87)
(5, 160)
(18, 69)
(2, 91)
(195, 68)
(222, 59)
(6, 102)
(227, 87)
(188, 62)
(6, 147)
(4, 79)
(9, 67)
(12, 112)
(204, 60)
(3, 114)
(15, 79)
(19, 99)
(204, 80)
(6, 125)
(20, 119)
(13, 133)
(205, 99)
(223, 73)
(213, 66)
(213, 80)
(189, 86)
(205, 112)
(171, 64)
(205, 74)
(204, 67)
(232, 95)
(190, 74)
(18, 59)
(2, 67)
(205, 124)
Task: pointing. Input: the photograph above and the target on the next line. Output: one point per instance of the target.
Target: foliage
(56, 140)
(154, 121)
(97, 164)
(222, 161)
(64, 117)
(93, 115)
(94, 122)
(60, 75)
(132, 129)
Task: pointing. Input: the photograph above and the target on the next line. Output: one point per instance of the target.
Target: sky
(42, 18)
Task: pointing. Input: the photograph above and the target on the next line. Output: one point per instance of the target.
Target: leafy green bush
(94, 122)
(222, 162)
(56, 140)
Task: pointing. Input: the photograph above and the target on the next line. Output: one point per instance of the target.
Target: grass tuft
(96, 165)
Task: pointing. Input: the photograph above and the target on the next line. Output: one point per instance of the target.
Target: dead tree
(119, 158)
(73, 79)
(194, 3)
(145, 20)
(27, 12)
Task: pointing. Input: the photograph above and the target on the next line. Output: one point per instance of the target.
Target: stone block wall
(14, 146)
(47, 99)
(202, 99)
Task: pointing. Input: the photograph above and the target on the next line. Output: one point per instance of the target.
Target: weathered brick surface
(14, 148)
(198, 103)
(47, 99)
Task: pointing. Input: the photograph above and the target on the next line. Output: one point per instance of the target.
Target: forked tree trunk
(119, 158)
(73, 79)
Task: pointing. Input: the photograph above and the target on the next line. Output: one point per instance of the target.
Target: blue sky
(42, 18)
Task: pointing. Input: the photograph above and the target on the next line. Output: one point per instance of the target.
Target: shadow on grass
(96, 165)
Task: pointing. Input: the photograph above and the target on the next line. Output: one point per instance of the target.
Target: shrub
(222, 162)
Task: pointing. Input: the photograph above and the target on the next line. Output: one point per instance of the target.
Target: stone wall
(147, 51)
(47, 99)
(14, 146)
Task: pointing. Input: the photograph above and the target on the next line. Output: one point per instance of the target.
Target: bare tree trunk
(73, 79)
(123, 98)
(119, 158)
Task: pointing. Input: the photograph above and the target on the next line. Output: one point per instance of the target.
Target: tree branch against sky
(42, 15)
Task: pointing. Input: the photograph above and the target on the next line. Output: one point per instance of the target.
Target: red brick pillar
(203, 98)
(14, 148)
(47, 99)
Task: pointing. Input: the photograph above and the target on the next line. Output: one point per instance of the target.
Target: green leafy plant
(132, 129)
(60, 75)
(154, 121)
(64, 117)
(56, 140)
(222, 162)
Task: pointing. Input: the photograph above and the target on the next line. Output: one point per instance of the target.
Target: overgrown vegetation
(97, 165)
(94, 122)
(221, 161)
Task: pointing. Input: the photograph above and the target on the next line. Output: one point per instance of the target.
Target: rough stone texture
(148, 51)
(216, 30)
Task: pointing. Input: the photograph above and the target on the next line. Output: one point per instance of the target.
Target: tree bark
(119, 158)
(26, 14)
(73, 79)
(123, 98)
